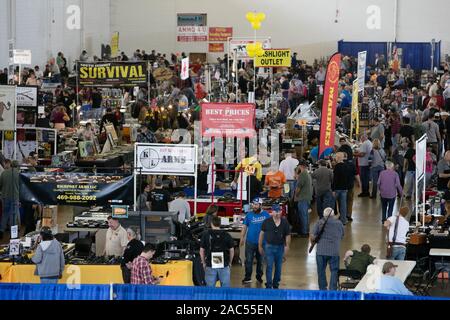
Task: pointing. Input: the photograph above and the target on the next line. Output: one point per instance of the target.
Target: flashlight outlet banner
(330, 96)
(228, 119)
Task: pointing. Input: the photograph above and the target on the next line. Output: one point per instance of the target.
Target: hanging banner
(112, 74)
(27, 96)
(237, 48)
(165, 159)
(22, 56)
(274, 58)
(362, 56)
(184, 68)
(191, 19)
(192, 33)
(216, 47)
(76, 189)
(115, 44)
(421, 151)
(228, 119)
(7, 107)
(330, 95)
(220, 34)
(354, 122)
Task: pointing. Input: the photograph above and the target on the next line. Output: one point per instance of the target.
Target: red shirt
(141, 273)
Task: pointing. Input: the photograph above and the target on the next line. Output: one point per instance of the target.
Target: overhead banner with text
(354, 122)
(112, 74)
(330, 95)
(228, 119)
(362, 56)
(220, 34)
(192, 33)
(216, 47)
(274, 58)
(76, 189)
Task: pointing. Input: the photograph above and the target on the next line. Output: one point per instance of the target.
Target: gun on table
(319, 235)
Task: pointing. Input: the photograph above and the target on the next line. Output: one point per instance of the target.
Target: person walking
(328, 233)
(378, 157)
(49, 258)
(9, 187)
(341, 183)
(216, 253)
(364, 169)
(303, 197)
(250, 237)
(322, 180)
(288, 166)
(353, 176)
(398, 227)
(273, 244)
(389, 186)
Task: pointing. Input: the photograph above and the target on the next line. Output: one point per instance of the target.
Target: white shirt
(288, 166)
(182, 207)
(402, 229)
(116, 242)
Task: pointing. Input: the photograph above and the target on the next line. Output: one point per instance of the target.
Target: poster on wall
(216, 47)
(220, 33)
(112, 74)
(192, 33)
(237, 47)
(7, 107)
(228, 119)
(27, 96)
(191, 19)
(165, 158)
(75, 189)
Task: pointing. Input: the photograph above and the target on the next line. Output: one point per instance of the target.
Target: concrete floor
(299, 270)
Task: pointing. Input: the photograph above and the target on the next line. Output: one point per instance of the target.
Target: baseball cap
(303, 162)
(257, 200)
(387, 266)
(276, 207)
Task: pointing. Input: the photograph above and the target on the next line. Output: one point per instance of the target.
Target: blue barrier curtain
(19, 291)
(350, 48)
(379, 296)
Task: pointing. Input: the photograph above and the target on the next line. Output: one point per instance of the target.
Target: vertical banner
(355, 111)
(330, 95)
(184, 68)
(115, 44)
(7, 107)
(362, 56)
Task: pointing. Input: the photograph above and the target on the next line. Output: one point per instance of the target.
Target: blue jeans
(322, 262)
(273, 254)
(323, 201)
(364, 172)
(10, 213)
(375, 171)
(398, 253)
(303, 207)
(221, 274)
(49, 280)
(251, 250)
(292, 184)
(385, 203)
(410, 181)
(341, 199)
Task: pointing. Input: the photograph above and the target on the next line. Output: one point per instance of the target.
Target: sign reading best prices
(274, 58)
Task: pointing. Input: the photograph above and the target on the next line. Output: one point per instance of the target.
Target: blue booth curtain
(350, 48)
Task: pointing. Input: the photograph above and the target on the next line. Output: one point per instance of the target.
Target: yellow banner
(274, 58)
(115, 44)
(355, 109)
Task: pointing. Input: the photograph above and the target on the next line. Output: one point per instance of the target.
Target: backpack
(217, 242)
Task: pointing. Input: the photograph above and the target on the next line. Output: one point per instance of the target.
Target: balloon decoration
(255, 19)
(255, 49)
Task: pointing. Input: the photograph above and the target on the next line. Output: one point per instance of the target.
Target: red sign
(228, 119)
(216, 47)
(220, 34)
(330, 95)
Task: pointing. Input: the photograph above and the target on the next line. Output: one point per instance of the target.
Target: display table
(226, 209)
(180, 273)
(404, 269)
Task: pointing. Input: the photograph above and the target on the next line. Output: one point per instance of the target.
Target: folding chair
(352, 278)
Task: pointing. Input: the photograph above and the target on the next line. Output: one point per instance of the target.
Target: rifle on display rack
(319, 235)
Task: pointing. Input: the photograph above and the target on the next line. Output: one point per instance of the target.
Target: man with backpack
(216, 252)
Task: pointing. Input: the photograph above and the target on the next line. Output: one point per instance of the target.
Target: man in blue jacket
(250, 236)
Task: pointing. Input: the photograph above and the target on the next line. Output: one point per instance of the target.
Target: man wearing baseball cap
(274, 241)
(250, 236)
(389, 283)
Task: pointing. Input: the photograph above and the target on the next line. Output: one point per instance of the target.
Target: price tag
(14, 232)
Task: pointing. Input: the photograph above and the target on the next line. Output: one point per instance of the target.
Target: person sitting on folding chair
(389, 283)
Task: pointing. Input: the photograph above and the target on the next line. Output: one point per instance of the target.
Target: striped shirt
(330, 241)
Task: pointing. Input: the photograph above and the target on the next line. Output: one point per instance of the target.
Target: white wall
(3, 34)
(306, 26)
